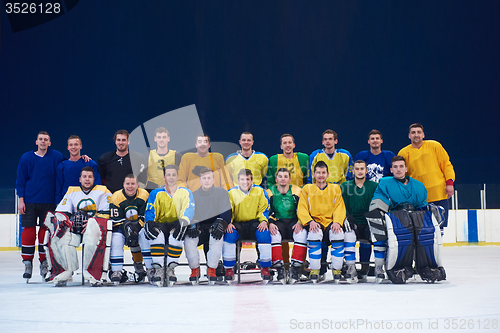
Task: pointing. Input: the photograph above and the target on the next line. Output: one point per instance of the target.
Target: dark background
(268, 67)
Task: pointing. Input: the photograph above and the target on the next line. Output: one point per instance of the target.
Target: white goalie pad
(96, 241)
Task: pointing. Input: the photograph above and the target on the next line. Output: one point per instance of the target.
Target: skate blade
(282, 281)
(352, 281)
(194, 283)
(378, 280)
(116, 283)
(170, 283)
(212, 283)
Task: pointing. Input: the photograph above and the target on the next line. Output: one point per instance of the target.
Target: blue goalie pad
(428, 245)
(400, 246)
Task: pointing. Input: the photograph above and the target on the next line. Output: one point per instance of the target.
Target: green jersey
(283, 206)
(357, 199)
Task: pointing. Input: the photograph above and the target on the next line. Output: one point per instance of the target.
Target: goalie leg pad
(97, 238)
(428, 245)
(400, 246)
(376, 222)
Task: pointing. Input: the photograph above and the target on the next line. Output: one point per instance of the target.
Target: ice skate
(195, 276)
(44, 269)
(229, 275)
(379, 273)
(293, 275)
(363, 273)
(116, 277)
(28, 270)
(150, 273)
(140, 273)
(351, 274)
(171, 278)
(337, 275)
(314, 275)
(158, 277)
(280, 272)
(266, 275)
(212, 276)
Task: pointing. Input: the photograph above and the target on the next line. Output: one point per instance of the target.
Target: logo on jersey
(375, 172)
(88, 206)
(132, 213)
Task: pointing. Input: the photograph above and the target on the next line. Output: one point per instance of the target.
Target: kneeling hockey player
(81, 217)
(401, 220)
(212, 215)
(127, 213)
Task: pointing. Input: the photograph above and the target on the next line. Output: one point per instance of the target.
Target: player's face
(283, 178)
(43, 141)
(207, 180)
(130, 186)
(245, 182)
(416, 135)
(360, 170)
(121, 142)
(202, 144)
(171, 177)
(328, 141)
(87, 180)
(375, 141)
(320, 174)
(287, 145)
(399, 169)
(74, 147)
(162, 139)
(246, 141)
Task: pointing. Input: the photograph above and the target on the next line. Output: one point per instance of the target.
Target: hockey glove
(180, 227)
(218, 228)
(78, 219)
(151, 231)
(131, 233)
(193, 231)
(349, 224)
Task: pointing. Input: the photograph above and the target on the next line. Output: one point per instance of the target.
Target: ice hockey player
(400, 219)
(283, 223)
(211, 217)
(127, 210)
(378, 161)
(321, 211)
(296, 163)
(250, 208)
(81, 217)
(169, 212)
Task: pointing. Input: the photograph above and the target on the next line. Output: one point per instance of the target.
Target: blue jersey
(68, 174)
(393, 193)
(36, 176)
(378, 166)
(165, 208)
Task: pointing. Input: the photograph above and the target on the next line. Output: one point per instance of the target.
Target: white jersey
(94, 203)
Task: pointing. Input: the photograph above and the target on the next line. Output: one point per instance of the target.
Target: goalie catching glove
(218, 228)
(180, 228)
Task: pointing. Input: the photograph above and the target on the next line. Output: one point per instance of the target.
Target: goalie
(401, 221)
(81, 217)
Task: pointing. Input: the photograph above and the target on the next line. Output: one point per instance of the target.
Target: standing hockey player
(339, 161)
(115, 165)
(378, 161)
(283, 223)
(357, 195)
(247, 158)
(127, 209)
(429, 163)
(321, 210)
(400, 218)
(36, 189)
(81, 217)
(68, 171)
(191, 163)
(250, 215)
(295, 163)
(212, 215)
(169, 212)
(159, 158)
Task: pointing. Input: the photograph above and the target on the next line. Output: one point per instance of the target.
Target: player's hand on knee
(297, 227)
(131, 231)
(262, 226)
(180, 229)
(230, 228)
(336, 228)
(151, 231)
(218, 228)
(193, 231)
(314, 226)
(273, 229)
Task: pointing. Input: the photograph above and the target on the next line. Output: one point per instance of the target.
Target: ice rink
(468, 301)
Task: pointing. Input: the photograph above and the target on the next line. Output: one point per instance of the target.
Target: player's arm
(380, 198)
(350, 165)
(101, 167)
(447, 169)
(97, 175)
(271, 170)
(339, 211)
(186, 209)
(103, 206)
(263, 211)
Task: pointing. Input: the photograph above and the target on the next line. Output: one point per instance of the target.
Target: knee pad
(315, 236)
(428, 245)
(400, 245)
(231, 237)
(276, 239)
(263, 237)
(301, 237)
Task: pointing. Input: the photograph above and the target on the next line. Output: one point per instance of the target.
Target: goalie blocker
(410, 234)
(61, 242)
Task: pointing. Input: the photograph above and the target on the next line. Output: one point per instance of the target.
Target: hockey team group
(395, 204)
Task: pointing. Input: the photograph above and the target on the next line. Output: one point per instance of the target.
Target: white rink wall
(464, 226)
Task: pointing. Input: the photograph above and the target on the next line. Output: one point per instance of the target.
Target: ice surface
(468, 301)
